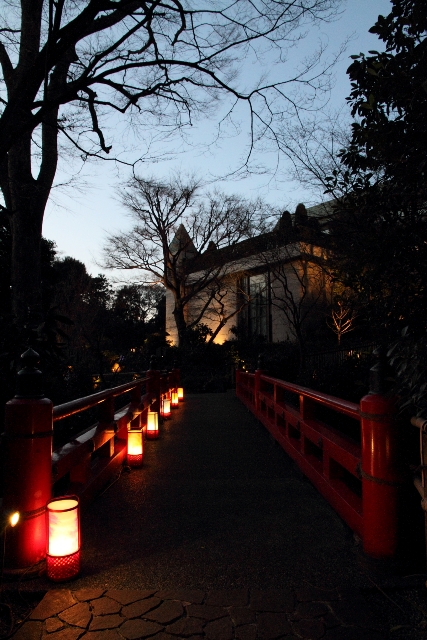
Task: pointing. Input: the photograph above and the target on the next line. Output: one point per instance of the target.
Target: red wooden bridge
(360, 477)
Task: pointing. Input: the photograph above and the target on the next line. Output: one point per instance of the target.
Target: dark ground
(217, 505)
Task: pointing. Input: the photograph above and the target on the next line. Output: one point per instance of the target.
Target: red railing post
(28, 467)
(381, 469)
(257, 384)
(307, 407)
(153, 384)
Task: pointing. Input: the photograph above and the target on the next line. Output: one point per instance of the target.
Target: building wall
(274, 325)
(211, 317)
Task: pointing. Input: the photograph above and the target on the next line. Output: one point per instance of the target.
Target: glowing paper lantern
(165, 409)
(180, 394)
(135, 448)
(63, 538)
(152, 425)
(174, 398)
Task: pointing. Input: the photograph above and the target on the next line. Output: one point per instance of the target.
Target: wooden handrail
(75, 406)
(338, 404)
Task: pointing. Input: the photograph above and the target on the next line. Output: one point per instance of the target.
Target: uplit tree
(174, 241)
(342, 318)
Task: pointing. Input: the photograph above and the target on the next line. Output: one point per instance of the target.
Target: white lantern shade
(135, 448)
(174, 398)
(63, 527)
(166, 407)
(180, 393)
(152, 425)
(63, 538)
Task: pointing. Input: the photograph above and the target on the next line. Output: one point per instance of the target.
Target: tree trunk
(26, 196)
(181, 325)
(26, 199)
(26, 281)
(25, 209)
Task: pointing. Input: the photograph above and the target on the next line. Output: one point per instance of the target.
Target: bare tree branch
(171, 242)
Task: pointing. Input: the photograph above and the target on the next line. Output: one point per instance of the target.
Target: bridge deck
(218, 506)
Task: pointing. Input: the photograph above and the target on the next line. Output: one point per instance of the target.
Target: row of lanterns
(63, 514)
(135, 450)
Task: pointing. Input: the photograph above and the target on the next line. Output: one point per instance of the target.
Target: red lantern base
(152, 435)
(134, 461)
(60, 568)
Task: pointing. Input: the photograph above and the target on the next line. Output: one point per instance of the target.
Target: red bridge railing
(95, 455)
(90, 459)
(82, 466)
(360, 477)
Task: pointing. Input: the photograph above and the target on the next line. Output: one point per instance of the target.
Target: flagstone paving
(131, 614)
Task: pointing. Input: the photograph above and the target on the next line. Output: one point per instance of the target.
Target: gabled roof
(183, 242)
(284, 234)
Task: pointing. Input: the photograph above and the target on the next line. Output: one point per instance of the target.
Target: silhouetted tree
(65, 65)
(172, 242)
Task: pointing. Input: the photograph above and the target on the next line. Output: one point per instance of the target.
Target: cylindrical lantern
(152, 425)
(174, 398)
(63, 538)
(180, 394)
(165, 408)
(135, 450)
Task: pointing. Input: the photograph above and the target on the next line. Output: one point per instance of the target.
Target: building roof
(305, 225)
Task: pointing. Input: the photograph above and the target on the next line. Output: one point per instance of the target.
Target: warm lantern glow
(174, 398)
(135, 448)
(180, 393)
(63, 538)
(14, 519)
(165, 409)
(152, 425)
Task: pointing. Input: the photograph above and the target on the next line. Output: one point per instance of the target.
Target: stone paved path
(130, 614)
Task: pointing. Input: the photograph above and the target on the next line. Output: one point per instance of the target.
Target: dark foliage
(382, 212)
(86, 330)
(379, 236)
(42, 337)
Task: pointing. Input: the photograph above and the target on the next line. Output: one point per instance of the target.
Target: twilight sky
(78, 221)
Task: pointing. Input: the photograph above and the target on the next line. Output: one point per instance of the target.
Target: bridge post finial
(381, 467)
(29, 380)
(27, 477)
